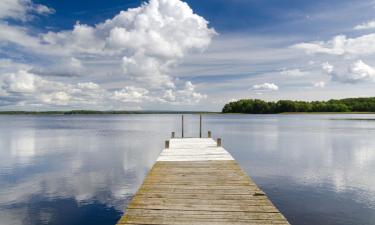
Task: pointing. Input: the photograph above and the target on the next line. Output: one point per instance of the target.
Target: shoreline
(90, 112)
(83, 112)
(291, 113)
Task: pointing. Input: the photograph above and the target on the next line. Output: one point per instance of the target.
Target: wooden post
(166, 144)
(182, 126)
(200, 125)
(209, 134)
(218, 142)
(173, 134)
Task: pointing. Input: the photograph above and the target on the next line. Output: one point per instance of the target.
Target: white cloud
(360, 71)
(83, 39)
(8, 65)
(143, 44)
(293, 72)
(12, 9)
(59, 98)
(64, 67)
(327, 67)
(22, 82)
(319, 84)
(130, 94)
(169, 96)
(357, 72)
(150, 39)
(25, 88)
(265, 87)
(340, 45)
(88, 85)
(156, 35)
(187, 95)
(18, 35)
(43, 10)
(21, 9)
(365, 26)
(351, 48)
(147, 70)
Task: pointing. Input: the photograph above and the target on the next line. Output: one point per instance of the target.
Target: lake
(77, 170)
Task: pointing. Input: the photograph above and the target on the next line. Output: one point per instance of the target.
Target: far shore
(92, 112)
(327, 113)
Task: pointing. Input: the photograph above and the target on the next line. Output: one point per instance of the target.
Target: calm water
(70, 170)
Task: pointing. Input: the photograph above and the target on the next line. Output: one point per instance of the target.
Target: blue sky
(190, 55)
(251, 16)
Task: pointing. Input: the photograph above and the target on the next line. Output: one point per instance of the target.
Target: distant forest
(89, 112)
(256, 106)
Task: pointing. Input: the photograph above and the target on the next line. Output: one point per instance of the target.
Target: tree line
(257, 106)
(84, 112)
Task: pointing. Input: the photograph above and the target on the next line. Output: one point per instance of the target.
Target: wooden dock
(197, 182)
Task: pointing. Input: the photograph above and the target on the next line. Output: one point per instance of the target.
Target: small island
(257, 106)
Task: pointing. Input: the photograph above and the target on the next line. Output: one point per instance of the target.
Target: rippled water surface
(317, 169)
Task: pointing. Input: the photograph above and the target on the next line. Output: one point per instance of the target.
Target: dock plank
(194, 182)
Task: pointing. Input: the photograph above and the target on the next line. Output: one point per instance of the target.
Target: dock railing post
(167, 144)
(209, 134)
(182, 125)
(218, 142)
(173, 134)
(200, 125)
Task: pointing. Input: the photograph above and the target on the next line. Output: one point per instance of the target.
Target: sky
(182, 55)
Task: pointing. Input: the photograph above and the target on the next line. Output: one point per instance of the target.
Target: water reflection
(66, 170)
(318, 169)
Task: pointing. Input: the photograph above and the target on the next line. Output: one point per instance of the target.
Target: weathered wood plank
(190, 220)
(205, 214)
(194, 182)
(200, 196)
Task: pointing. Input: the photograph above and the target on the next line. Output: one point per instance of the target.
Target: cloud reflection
(91, 165)
(96, 162)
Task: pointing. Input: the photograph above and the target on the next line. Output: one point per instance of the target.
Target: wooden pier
(197, 182)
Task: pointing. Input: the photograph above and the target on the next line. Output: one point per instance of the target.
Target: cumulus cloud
(345, 70)
(22, 82)
(82, 39)
(12, 9)
(8, 65)
(360, 46)
(143, 45)
(131, 94)
(265, 87)
(43, 10)
(150, 39)
(340, 45)
(319, 84)
(365, 26)
(359, 71)
(293, 72)
(88, 85)
(56, 98)
(356, 72)
(187, 95)
(147, 70)
(21, 9)
(67, 67)
(156, 35)
(25, 88)
(18, 35)
(327, 68)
